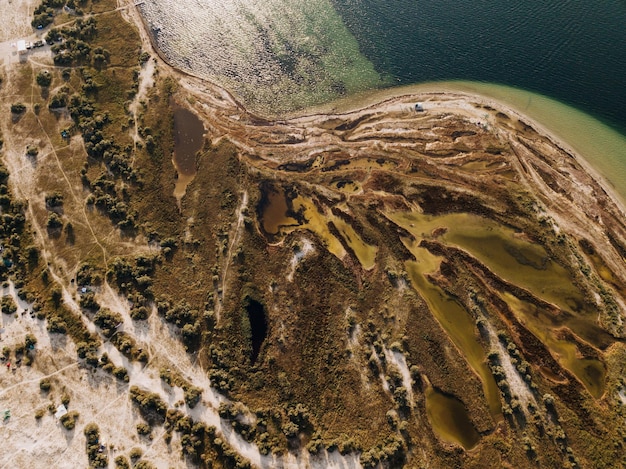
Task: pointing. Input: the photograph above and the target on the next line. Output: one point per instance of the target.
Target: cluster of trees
(44, 13)
(107, 365)
(69, 420)
(133, 278)
(60, 99)
(186, 318)
(150, 405)
(71, 44)
(192, 393)
(7, 305)
(44, 78)
(109, 321)
(92, 444)
(391, 453)
(88, 275)
(18, 108)
(54, 204)
(200, 444)
(12, 228)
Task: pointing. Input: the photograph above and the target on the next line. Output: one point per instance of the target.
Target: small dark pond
(258, 327)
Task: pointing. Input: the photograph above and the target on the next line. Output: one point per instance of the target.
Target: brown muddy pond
(274, 211)
(188, 140)
(448, 418)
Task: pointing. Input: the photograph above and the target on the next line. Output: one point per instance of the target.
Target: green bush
(144, 465)
(107, 320)
(192, 395)
(30, 340)
(54, 222)
(92, 435)
(152, 408)
(121, 373)
(54, 200)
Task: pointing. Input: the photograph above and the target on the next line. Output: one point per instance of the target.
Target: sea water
(557, 58)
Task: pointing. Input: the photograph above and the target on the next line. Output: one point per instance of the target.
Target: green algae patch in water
(589, 371)
(503, 251)
(455, 320)
(365, 253)
(317, 223)
(449, 419)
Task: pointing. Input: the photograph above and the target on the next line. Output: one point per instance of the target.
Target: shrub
(69, 420)
(92, 433)
(192, 395)
(32, 150)
(152, 408)
(45, 384)
(122, 463)
(144, 429)
(107, 320)
(7, 305)
(139, 313)
(58, 101)
(121, 373)
(144, 465)
(54, 200)
(30, 340)
(18, 108)
(56, 325)
(96, 458)
(40, 413)
(135, 453)
(54, 222)
(88, 302)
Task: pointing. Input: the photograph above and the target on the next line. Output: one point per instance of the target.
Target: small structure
(61, 411)
(21, 47)
(419, 107)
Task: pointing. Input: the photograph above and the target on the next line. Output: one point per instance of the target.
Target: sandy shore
(379, 99)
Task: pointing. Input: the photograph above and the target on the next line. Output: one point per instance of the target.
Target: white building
(21, 46)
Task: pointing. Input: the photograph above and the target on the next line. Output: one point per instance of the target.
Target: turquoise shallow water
(283, 55)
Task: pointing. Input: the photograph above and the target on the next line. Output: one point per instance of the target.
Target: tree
(18, 108)
(44, 78)
(54, 222)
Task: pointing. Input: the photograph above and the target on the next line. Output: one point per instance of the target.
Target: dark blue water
(571, 50)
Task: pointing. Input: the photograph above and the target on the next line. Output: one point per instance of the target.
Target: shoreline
(599, 165)
(378, 98)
